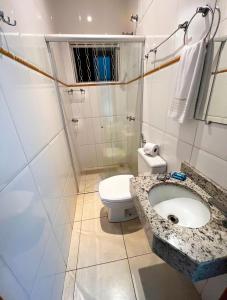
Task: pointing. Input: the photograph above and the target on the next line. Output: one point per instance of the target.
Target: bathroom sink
(179, 205)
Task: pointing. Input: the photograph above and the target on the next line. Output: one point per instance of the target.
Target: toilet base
(121, 215)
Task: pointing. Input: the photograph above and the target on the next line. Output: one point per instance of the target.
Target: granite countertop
(201, 245)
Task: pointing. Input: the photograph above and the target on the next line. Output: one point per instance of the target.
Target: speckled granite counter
(199, 253)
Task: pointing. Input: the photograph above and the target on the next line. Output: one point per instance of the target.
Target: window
(95, 63)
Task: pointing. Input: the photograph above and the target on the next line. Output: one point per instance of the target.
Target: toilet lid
(115, 188)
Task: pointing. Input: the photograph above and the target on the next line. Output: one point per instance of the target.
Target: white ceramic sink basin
(179, 205)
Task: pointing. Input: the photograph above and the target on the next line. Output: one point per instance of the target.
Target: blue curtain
(101, 68)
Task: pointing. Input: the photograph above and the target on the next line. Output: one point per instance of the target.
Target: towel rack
(204, 10)
(180, 26)
(71, 91)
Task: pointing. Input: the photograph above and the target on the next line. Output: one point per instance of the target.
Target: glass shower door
(103, 119)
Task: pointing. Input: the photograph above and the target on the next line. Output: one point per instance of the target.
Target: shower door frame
(77, 38)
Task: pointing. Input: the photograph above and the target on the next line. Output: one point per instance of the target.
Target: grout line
(104, 263)
(111, 261)
(128, 260)
(83, 193)
(83, 220)
(122, 231)
(8, 267)
(193, 143)
(77, 258)
(28, 162)
(209, 153)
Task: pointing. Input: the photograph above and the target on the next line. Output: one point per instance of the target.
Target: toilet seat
(115, 188)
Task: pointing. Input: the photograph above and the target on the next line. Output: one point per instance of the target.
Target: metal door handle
(130, 118)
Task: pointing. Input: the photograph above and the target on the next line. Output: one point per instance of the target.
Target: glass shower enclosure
(100, 93)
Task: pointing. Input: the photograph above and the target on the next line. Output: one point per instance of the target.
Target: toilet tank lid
(152, 161)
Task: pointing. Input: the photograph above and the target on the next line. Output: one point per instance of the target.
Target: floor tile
(82, 186)
(69, 285)
(79, 207)
(74, 247)
(110, 281)
(154, 279)
(93, 207)
(92, 185)
(135, 238)
(100, 242)
(94, 176)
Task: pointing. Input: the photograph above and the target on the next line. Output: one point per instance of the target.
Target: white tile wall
(37, 189)
(24, 228)
(204, 146)
(211, 139)
(10, 288)
(51, 168)
(26, 93)
(12, 158)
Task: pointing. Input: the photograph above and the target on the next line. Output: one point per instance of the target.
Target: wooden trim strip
(219, 72)
(36, 69)
(163, 66)
(27, 64)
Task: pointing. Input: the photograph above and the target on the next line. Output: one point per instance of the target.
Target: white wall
(37, 188)
(108, 16)
(203, 146)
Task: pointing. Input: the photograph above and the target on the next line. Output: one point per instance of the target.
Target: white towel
(187, 82)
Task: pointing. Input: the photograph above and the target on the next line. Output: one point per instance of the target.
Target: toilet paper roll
(151, 149)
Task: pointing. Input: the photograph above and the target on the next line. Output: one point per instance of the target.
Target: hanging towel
(187, 82)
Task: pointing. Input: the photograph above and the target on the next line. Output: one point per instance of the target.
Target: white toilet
(115, 191)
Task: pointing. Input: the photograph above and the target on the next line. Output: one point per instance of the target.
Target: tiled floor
(113, 261)
(89, 182)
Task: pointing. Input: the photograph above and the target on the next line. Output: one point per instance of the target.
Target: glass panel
(103, 121)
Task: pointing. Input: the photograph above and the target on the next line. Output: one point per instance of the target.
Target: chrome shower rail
(93, 38)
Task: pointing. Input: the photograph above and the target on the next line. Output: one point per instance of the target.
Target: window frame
(116, 46)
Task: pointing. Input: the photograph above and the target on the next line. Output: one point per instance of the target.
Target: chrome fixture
(173, 219)
(134, 18)
(204, 11)
(180, 26)
(130, 118)
(6, 19)
(163, 177)
(127, 33)
(71, 91)
(75, 120)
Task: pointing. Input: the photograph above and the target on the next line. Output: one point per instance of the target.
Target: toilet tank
(148, 165)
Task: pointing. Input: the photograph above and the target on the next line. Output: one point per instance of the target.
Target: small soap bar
(179, 175)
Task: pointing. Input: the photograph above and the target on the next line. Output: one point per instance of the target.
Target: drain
(173, 219)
